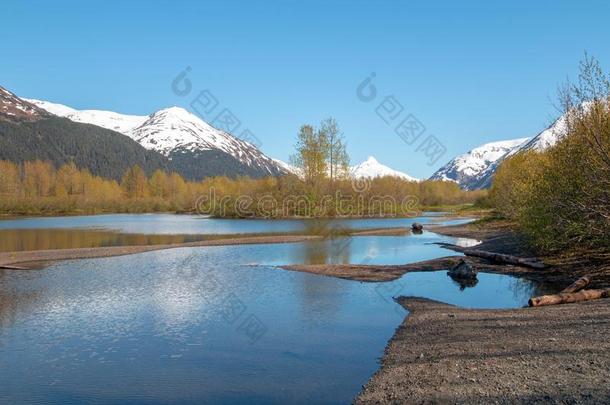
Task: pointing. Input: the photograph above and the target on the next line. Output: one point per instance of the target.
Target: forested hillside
(58, 140)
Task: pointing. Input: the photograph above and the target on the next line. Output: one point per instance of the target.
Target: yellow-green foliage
(561, 198)
(39, 188)
(289, 196)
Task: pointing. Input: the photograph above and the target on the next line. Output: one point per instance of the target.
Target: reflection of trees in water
(335, 250)
(13, 240)
(524, 289)
(320, 298)
(326, 227)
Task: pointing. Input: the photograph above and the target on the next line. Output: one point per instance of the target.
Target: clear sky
(471, 72)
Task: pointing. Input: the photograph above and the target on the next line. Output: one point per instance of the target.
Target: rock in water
(417, 227)
(462, 271)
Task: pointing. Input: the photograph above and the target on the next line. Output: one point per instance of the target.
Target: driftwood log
(9, 267)
(502, 258)
(498, 257)
(567, 298)
(577, 285)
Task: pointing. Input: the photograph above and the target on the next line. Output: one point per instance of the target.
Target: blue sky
(470, 72)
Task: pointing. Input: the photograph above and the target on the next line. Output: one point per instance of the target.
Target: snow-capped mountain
(371, 168)
(181, 136)
(546, 138)
(175, 128)
(15, 108)
(539, 143)
(122, 123)
(468, 168)
(287, 167)
(28, 132)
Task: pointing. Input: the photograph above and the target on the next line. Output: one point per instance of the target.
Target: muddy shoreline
(40, 258)
(495, 238)
(445, 354)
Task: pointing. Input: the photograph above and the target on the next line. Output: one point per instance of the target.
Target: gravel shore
(444, 354)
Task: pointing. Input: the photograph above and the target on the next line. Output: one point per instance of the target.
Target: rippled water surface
(215, 324)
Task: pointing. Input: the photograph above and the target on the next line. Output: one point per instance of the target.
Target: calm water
(216, 324)
(194, 224)
(155, 229)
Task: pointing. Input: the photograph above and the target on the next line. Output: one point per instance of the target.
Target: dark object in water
(462, 271)
(417, 228)
(465, 282)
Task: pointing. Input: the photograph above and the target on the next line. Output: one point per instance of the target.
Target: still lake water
(215, 324)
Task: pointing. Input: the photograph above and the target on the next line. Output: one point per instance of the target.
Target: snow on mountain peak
(371, 168)
(467, 169)
(122, 123)
(169, 130)
(544, 140)
(15, 108)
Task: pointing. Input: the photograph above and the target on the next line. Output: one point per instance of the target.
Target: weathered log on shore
(9, 267)
(577, 285)
(498, 257)
(502, 258)
(567, 298)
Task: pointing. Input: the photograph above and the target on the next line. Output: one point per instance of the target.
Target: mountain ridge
(468, 168)
(28, 132)
(369, 168)
(180, 135)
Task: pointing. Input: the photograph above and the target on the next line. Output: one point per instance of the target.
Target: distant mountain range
(476, 168)
(107, 143)
(370, 168)
(28, 132)
(195, 148)
(469, 168)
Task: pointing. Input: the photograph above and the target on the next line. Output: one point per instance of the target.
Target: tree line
(322, 187)
(38, 187)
